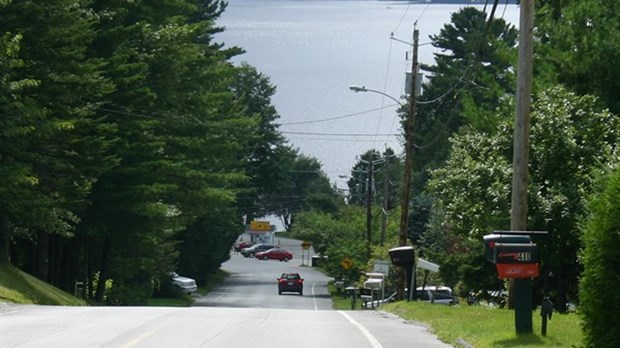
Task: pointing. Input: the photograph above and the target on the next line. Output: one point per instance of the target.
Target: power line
(338, 117)
(342, 134)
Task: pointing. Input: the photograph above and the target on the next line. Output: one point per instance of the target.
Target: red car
(274, 254)
(290, 282)
(242, 245)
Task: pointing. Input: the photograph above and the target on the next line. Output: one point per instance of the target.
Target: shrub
(599, 290)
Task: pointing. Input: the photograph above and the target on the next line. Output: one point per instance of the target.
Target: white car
(187, 285)
(436, 294)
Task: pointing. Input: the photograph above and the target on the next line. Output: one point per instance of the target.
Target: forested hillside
(131, 146)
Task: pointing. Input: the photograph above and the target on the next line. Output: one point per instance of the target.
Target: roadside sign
(346, 263)
(260, 226)
(382, 267)
(306, 245)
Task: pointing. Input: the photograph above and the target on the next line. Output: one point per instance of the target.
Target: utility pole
(518, 215)
(404, 203)
(369, 207)
(386, 197)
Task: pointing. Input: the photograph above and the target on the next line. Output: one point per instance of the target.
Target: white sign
(382, 267)
(427, 265)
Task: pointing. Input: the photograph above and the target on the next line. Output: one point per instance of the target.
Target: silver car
(187, 285)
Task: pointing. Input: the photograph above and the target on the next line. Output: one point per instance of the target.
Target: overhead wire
(338, 117)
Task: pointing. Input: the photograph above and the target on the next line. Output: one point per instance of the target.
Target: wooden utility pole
(369, 207)
(386, 197)
(518, 215)
(404, 202)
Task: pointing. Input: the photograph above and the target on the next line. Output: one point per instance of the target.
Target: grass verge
(482, 327)
(478, 326)
(20, 287)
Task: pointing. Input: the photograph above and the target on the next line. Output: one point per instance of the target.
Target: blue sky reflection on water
(314, 50)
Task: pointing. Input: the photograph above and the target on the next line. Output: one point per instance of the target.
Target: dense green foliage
(131, 146)
(601, 252)
(578, 47)
(463, 144)
(570, 136)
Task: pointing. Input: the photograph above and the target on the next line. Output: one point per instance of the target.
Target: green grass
(19, 287)
(482, 326)
(478, 326)
(339, 300)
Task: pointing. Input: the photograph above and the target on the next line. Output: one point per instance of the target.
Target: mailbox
(516, 260)
(402, 256)
(374, 284)
(515, 253)
(490, 240)
(374, 281)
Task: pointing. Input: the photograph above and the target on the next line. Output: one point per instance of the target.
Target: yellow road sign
(306, 245)
(260, 226)
(346, 263)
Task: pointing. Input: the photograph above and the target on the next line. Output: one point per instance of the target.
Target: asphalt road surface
(252, 283)
(245, 311)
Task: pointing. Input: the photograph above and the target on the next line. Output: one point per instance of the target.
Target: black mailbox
(515, 253)
(402, 256)
(490, 240)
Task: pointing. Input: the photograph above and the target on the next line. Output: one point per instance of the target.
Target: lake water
(312, 51)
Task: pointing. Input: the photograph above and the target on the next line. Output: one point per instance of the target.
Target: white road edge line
(316, 307)
(369, 337)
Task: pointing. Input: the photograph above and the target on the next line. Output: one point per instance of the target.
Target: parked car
(290, 282)
(249, 252)
(185, 284)
(242, 245)
(437, 295)
(274, 254)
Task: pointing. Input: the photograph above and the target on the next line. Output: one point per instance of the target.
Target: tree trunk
(41, 265)
(4, 237)
(69, 265)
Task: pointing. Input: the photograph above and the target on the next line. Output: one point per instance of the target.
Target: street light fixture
(356, 88)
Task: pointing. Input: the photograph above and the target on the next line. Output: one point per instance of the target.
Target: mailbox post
(375, 282)
(516, 257)
(405, 257)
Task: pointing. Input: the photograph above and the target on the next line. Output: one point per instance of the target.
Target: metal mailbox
(490, 241)
(516, 260)
(402, 256)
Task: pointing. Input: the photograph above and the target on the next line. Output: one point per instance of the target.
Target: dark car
(290, 282)
(274, 254)
(242, 245)
(249, 252)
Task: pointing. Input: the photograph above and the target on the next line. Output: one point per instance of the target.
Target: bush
(599, 290)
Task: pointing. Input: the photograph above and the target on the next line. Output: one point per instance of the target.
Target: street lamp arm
(356, 88)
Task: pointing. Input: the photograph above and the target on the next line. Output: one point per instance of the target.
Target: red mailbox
(516, 260)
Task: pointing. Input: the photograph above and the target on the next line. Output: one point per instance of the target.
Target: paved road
(125, 327)
(252, 284)
(245, 310)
